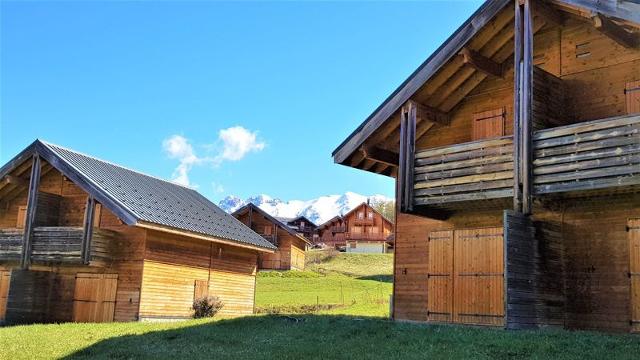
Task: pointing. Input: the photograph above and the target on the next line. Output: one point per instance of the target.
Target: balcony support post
(32, 203)
(404, 194)
(523, 88)
(87, 230)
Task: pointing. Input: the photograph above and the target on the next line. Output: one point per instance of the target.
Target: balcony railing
(339, 229)
(365, 221)
(55, 245)
(586, 156)
(365, 236)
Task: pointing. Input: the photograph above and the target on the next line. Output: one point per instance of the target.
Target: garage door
(94, 297)
(466, 276)
(5, 276)
(634, 271)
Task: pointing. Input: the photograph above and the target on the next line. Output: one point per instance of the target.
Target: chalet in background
(301, 225)
(518, 187)
(291, 245)
(361, 230)
(85, 240)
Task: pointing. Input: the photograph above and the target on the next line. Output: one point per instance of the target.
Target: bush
(207, 306)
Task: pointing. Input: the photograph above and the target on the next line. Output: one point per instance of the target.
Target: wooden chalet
(517, 186)
(301, 225)
(362, 230)
(290, 244)
(85, 240)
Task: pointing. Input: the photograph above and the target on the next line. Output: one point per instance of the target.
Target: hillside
(333, 283)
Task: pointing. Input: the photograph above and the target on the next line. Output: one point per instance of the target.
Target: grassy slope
(353, 284)
(314, 337)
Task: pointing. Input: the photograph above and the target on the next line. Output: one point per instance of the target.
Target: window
(370, 215)
(488, 124)
(632, 95)
(360, 215)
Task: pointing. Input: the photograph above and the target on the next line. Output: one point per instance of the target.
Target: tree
(386, 208)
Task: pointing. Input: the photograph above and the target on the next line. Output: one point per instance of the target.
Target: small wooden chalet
(362, 230)
(516, 153)
(291, 245)
(85, 240)
(301, 225)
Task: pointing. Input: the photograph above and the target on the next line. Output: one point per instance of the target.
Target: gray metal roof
(147, 198)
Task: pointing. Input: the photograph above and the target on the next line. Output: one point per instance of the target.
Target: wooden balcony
(365, 236)
(54, 245)
(602, 155)
(366, 221)
(338, 229)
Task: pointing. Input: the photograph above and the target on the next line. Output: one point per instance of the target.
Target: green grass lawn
(350, 284)
(312, 337)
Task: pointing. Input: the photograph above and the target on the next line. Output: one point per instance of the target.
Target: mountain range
(318, 210)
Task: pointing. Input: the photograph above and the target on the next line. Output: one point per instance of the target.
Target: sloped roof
(272, 219)
(138, 198)
(287, 220)
(342, 217)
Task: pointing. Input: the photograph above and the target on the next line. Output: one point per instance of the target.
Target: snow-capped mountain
(317, 210)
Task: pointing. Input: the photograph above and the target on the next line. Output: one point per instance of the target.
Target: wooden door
(488, 124)
(200, 289)
(634, 272)
(5, 277)
(479, 276)
(94, 297)
(466, 276)
(632, 95)
(440, 277)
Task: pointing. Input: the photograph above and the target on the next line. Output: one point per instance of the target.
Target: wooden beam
(548, 13)
(625, 9)
(431, 114)
(32, 201)
(407, 156)
(87, 228)
(616, 32)
(380, 155)
(480, 62)
(18, 181)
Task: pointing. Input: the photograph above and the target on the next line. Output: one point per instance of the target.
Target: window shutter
(632, 94)
(488, 124)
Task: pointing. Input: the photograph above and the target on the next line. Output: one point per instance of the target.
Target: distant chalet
(85, 240)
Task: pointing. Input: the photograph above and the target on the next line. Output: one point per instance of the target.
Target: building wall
(366, 247)
(173, 264)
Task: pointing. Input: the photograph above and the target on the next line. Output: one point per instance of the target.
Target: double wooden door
(634, 272)
(466, 276)
(5, 277)
(94, 298)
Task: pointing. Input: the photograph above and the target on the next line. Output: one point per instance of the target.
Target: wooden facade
(543, 155)
(362, 227)
(84, 263)
(291, 244)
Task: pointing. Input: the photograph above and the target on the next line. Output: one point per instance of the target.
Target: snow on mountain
(317, 210)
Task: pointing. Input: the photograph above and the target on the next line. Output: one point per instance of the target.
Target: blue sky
(235, 98)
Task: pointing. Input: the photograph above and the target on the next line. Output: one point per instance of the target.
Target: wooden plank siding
(5, 278)
(634, 272)
(173, 265)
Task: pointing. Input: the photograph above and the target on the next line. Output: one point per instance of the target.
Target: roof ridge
(47, 143)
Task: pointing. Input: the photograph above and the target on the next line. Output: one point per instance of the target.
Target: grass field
(311, 337)
(318, 325)
(333, 283)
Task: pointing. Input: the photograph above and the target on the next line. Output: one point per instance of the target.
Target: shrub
(207, 306)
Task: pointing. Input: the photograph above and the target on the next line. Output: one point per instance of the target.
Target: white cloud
(233, 144)
(218, 188)
(237, 142)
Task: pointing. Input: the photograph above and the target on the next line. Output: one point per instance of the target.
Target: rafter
(545, 11)
(431, 114)
(480, 62)
(375, 153)
(16, 180)
(615, 32)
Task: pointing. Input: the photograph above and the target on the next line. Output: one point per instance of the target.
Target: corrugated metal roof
(158, 201)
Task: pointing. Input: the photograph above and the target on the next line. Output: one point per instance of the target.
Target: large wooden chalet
(362, 230)
(291, 244)
(518, 187)
(85, 240)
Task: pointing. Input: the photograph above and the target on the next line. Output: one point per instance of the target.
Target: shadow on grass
(346, 337)
(379, 277)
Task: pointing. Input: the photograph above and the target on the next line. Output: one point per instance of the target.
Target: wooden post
(523, 88)
(87, 233)
(32, 202)
(408, 120)
(526, 105)
(517, 71)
